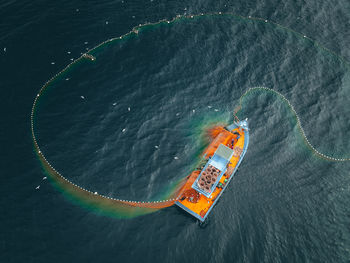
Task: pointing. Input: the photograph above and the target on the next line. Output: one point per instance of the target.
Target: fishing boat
(220, 161)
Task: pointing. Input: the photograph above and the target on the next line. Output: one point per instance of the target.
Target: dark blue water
(284, 205)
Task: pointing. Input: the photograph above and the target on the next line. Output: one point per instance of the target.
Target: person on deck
(232, 143)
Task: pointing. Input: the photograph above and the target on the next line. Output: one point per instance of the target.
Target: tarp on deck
(219, 160)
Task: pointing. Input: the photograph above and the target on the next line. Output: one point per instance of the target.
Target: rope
(237, 109)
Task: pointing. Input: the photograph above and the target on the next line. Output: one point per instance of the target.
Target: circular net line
(169, 202)
(295, 114)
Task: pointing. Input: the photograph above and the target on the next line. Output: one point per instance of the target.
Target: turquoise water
(285, 204)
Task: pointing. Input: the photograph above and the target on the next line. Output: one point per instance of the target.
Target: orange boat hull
(197, 196)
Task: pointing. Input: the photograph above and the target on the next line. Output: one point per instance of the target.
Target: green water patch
(100, 204)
